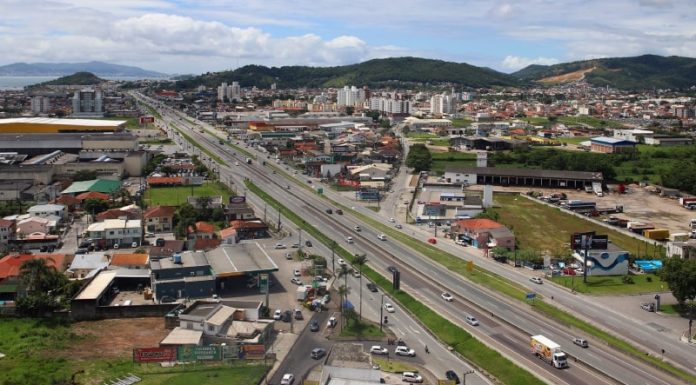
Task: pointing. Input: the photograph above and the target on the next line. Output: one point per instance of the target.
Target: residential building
(202, 230)
(85, 266)
(350, 96)
(40, 104)
(112, 232)
(88, 102)
(130, 261)
(33, 225)
(8, 231)
(442, 104)
(48, 210)
(159, 219)
(483, 233)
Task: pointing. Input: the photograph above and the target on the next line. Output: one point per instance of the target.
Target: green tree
(419, 157)
(360, 260)
(680, 276)
(343, 292)
(45, 286)
(85, 175)
(95, 206)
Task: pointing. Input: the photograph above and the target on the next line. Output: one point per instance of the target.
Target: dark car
(287, 316)
(392, 269)
(452, 376)
(318, 353)
(329, 211)
(81, 251)
(314, 326)
(308, 243)
(339, 212)
(167, 299)
(372, 287)
(159, 242)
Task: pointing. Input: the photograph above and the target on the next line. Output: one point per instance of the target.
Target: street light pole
(381, 313)
(464, 376)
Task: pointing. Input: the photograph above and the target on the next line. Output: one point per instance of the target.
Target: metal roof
(526, 172)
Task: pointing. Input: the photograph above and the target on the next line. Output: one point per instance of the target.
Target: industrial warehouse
(521, 177)
(49, 125)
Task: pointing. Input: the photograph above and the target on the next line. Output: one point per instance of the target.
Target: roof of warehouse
(244, 257)
(525, 172)
(66, 122)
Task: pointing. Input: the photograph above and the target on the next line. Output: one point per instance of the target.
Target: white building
(40, 104)
(233, 92)
(350, 96)
(116, 231)
(45, 211)
(389, 105)
(88, 103)
(442, 104)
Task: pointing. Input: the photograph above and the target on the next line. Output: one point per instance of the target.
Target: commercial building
(51, 125)
(111, 232)
(520, 177)
(611, 145)
(96, 185)
(184, 275)
(483, 233)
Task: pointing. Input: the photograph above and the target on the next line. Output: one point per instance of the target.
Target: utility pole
(381, 313)
(465, 374)
(586, 240)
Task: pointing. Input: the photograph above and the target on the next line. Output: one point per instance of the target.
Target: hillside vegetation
(372, 73)
(78, 78)
(640, 72)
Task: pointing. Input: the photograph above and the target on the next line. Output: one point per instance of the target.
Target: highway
(505, 324)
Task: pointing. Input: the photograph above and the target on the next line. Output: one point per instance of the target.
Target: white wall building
(442, 104)
(40, 104)
(88, 102)
(350, 96)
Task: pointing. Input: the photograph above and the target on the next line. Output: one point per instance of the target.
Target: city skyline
(182, 37)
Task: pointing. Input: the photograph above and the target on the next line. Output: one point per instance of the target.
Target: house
(371, 172)
(168, 249)
(85, 266)
(8, 231)
(483, 233)
(92, 195)
(130, 261)
(201, 230)
(127, 212)
(112, 232)
(611, 145)
(36, 225)
(69, 201)
(684, 249)
(10, 267)
(252, 229)
(447, 205)
(232, 320)
(234, 211)
(204, 244)
(159, 219)
(48, 210)
(228, 235)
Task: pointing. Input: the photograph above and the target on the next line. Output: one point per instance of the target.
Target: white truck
(549, 351)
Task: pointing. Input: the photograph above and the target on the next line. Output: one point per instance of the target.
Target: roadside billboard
(199, 353)
(237, 199)
(144, 355)
(257, 351)
(592, 241)
(147, 119)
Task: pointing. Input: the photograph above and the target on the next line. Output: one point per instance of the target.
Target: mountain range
(629, 73)
(60, 69)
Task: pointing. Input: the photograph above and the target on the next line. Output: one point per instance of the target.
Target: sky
(197, 36)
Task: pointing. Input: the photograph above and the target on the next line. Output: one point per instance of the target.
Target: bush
(648, 279)
(627, 279)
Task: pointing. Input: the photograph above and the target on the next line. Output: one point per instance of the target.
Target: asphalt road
(601, 358)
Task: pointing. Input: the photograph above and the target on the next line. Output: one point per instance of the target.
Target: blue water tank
(177, 258)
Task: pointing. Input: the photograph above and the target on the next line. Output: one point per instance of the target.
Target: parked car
(376, 349)
(411, 377)
(447, 296)
(331, 322)
(432, 241)
(314, 326)
(372, 287)
(288, 255)
(318, 353)
(536, 280)
(298, 314)
(295, 245)
(452, 376)
(404, 351)
(296, 281)
(277, 315)
(287, 316)
(288, 379)
(296, 273)
(581, 342)
(81, 251)
(279, 246)
(648, 306)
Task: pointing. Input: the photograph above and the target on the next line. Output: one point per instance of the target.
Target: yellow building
(49, 125)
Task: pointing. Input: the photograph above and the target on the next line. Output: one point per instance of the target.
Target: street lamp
(464, 376)
(381, 313)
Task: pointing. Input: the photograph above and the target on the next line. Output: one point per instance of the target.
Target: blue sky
(188, 36)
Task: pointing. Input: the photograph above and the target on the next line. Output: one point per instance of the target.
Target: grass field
(444, 159)
(574, 140)
(175, 196)
(461, 122)
(646, 283)
(422, 135)
(543, 228)
(393, 366)
(356, 328)
(575, 120)
(238, 374)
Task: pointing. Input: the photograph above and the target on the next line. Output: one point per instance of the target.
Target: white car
(288, 379)
(471, 320)
(296, 273)
(279, 246)
(404, 351)
(389, 307)
(376, 349)
(277, 315)
(331, 322)
(536, 280)
(349, 239)
(382, 237)
(411, 377)
(447, 296)
(341, 262)
(297, 281)
(392, 220)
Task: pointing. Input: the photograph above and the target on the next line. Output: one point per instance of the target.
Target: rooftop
(180, 336)
(188, 259)
(129, 259)
(97, 286)
(523, 172)
(239, 259)
(66, 122)
(10, 264)
(99, 185)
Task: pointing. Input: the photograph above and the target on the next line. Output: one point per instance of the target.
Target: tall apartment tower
(40, 104)
(88, 103)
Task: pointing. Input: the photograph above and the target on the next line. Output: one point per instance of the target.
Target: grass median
(203, 149)
(473, 350)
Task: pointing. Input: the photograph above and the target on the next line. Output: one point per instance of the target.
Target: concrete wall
(101, 168)
(39, 174)
(86, 312)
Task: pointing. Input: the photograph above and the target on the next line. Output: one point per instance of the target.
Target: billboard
(144, 355)
(237, 199)
(199, 353)
(147, 119)
(596, 242)
(257, 351)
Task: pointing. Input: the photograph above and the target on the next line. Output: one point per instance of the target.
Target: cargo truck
(656, 234)
(549, 351)
(687, 201)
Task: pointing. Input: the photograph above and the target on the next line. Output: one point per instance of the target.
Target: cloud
(517, 62)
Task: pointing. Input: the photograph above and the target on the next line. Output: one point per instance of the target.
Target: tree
(44, 287)
(343, 292)
(680, 276)
(419, 157)
(360, 260)
(85, 175)
(95, 206)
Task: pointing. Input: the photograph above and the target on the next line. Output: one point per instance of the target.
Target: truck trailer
(549, 351)
(657, 234)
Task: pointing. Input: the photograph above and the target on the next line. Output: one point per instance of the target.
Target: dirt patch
(115, 338)
(568, 77)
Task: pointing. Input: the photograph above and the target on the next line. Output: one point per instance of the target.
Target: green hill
(639, 72)
(78, 78)
(377, 72)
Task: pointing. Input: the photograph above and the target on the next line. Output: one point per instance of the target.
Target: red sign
(154, 354)
(147, 119)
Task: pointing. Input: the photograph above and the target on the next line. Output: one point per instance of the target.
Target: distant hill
(372, 73)
(78, 78)
(61, 69)
(630, 73)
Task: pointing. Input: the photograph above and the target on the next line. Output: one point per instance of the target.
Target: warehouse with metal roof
(53, 125)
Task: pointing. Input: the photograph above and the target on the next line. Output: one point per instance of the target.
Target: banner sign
(144, 355)
(237, 199)
(592, 241)
(147, 119)
(199, 353)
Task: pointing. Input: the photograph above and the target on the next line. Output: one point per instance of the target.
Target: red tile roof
(129, 259)
(67, 200)
(206, 244)
(92, 195)
(115, 214)
(168, 180)
(482, 223)
(10, 264)
(201, 227)
(241, 224)
(6, 223)
(228, 232)
(159, 212)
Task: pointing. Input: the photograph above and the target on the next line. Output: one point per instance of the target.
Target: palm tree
(343, 292)
(37, 275)
(359, 260)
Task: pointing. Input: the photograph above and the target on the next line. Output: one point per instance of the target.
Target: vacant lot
(444, 159)
(175, 196)
(46, 352)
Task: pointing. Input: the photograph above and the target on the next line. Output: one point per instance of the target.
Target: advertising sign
(230, 351)
(144, 355)
(199, 353)
(594, 242)
(147, 119)
(263, 282)
(254, 351)
(237, 199)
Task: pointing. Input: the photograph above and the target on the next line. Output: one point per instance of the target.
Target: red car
(432, 241)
